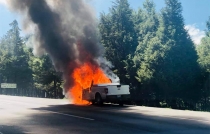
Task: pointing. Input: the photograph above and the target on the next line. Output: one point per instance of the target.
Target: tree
(149, 50)
(118, 37)
(166, 55)
(147, 29)
(45, 76)
(15, 68)
(180, 70)
(18, 65)
(204, 62)
(203, 52)
(208, 26)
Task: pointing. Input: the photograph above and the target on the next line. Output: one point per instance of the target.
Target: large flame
(84, 76)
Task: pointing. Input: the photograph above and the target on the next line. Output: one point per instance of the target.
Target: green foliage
(204, 62)
(204, 55)
(145, 53)
(180, 68)
(166, 56)
(14, 61)
(18, 65)
(44, 75)
(118, 37)
(208, 25)
(164, 59)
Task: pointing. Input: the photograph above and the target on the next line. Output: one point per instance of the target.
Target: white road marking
(75, 116)
(70, 115)
(129, 110)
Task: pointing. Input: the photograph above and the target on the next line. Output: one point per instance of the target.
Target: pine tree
(149, 51)
(147, 30)
(118, 37)
(180, 68)
(204, 62)
(14, 61)
(45, 77)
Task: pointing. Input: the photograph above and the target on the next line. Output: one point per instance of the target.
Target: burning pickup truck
(109, 93)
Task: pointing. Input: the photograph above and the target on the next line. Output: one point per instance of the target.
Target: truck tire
(93, 102)
(98, 99)
(121, 104)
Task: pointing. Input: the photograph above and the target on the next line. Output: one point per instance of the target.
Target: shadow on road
(83, 107)
(38, 116)
(117, 117)
(11, 130)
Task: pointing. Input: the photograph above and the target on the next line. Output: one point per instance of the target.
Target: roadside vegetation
(151, 51)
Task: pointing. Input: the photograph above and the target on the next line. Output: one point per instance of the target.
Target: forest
(150, 50)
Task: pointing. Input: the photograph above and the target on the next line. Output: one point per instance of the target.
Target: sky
(195, 13)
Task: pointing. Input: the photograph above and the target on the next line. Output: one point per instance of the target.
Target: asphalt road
(22, 115)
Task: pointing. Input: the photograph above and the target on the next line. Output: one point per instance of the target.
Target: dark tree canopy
(118, 36)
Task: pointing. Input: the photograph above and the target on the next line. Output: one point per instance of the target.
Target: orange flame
(83, 77)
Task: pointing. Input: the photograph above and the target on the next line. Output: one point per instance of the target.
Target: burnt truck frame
(109, 93)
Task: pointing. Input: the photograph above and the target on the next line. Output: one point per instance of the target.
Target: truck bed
(113, 92)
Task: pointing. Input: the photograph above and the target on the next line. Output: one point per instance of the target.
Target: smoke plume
(66, 30)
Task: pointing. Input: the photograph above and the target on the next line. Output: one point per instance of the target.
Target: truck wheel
(98, 99)
(121, 104)
(93, 102)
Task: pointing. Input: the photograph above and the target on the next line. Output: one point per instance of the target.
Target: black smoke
(59, 26)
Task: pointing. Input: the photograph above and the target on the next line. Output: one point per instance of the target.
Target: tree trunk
(55, 90)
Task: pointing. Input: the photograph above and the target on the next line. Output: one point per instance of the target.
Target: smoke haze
(66, 30)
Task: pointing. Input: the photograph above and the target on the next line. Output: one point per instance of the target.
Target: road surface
(24, 115)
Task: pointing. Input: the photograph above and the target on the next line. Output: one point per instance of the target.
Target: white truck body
(113, 92)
